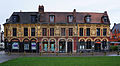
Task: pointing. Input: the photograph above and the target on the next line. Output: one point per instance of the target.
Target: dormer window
(33, 18)
(105, 19)
(52, 18)
(87, 18)
(15, 18)
(70, 18)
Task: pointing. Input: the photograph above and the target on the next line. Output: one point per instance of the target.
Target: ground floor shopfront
(53, 45)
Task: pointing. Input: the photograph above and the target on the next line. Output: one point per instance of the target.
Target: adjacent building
(1, 39)
(115, 34)
(56, 31)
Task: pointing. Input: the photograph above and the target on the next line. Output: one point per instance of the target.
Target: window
(98, 31)
(33, 18)
(25, 31)
(15, 18)
(14, 31)
(32, 31)
(45, 45)
(44, 31)
(105, 19)
(70, 18)
(62, 31)
(70, 31)
(52, 18)
(88, 32)
(104, 31)
(87, 18)
(81, 31)
(51, 31)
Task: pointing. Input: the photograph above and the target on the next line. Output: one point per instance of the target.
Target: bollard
(24, 53)
(70, 53)
(57, 53)
(40, 53)
(80, 53)
(92, 53)
(104, 53)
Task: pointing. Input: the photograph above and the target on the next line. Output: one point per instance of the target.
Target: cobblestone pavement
(8, 56)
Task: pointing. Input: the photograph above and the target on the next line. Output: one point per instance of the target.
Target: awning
(98, 42)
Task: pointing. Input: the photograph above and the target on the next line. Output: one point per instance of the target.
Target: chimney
(74, 10)
(20, 10)
(74, 15)
(105, 12)
(114, 24)
(41, 9)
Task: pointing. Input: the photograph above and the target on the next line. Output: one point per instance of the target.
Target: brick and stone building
(56, 31)
(115, 34)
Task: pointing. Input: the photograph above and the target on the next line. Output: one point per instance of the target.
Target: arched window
(69, 45)
(15, 44)
(104, 44)
(62, 45)
(97, 45)
(33, 44)
(88, 44)
(82, 44)
(45, 45)
(52, 45)
(26, 44)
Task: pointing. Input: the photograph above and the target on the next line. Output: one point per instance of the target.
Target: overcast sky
(7, 7)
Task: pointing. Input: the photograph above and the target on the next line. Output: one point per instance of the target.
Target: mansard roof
(60, 17)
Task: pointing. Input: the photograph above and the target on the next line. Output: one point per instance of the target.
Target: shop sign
(26, 46)
(14, 40)
(33, 46)
(15, 45)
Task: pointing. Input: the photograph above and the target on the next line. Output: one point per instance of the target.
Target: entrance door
(97, 47)
(69, 47)
(62, 46)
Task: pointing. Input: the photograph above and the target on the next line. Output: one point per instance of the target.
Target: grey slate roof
(116, 27)
(60, 17)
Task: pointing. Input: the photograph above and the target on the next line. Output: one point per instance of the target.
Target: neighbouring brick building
(56, 31)
(115, 34)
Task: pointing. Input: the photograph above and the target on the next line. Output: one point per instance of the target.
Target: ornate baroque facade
(57, 31)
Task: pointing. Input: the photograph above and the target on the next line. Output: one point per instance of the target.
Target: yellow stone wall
(57, 29)
(93, 28)
(38, 29)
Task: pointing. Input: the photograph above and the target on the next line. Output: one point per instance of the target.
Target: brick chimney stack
(105, 12)
(74, 15)
(41, 9)
(114, 24)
